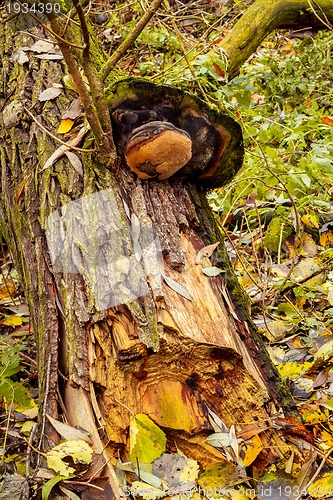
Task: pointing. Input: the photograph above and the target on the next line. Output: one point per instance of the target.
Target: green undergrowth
(283, 98)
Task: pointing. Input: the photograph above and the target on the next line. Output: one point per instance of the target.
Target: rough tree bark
(163, 355)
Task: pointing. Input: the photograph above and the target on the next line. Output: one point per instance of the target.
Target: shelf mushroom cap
(157, 150)
(161, 131)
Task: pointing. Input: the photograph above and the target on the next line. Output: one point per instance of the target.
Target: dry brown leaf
(321, 378)
(251, 430)
(205, 252)
(67, 432)
(177, 287)
(327, 120)
(74, 110)
(20, 189)
(49, 94)
(75, 162)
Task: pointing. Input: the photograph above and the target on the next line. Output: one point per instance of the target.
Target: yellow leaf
(245, 281)
(276, 330)
(146, 491)
(305, 269)
(291, 369)
(308, 246)
(329, 403)
(311, 220)
(65, 126)
(325, 352)
(253, 449)
(288, 47)
(31, 412)
(326, 239)
(7, 290)
(308, 103)
(313, 416)
(322, 487)
(13, 321)
(147, 440)
(78, 450)
(190, 472)
(220, 475)
(27, 426)
(241, 494)
(327, 439)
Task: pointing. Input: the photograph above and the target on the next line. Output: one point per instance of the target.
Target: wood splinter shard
(157, 150)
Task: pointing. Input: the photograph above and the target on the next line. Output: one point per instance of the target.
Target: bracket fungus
(161, 131)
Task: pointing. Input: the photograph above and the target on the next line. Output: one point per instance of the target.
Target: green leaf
(147, 440)
(15, 392)
(47, 488)
(212, 271)
(276, 232)
(220, 475)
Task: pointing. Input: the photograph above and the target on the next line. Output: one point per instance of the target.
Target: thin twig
(81, 150)
(326, 22)
(240, 258)
(95, 84)
(103, 139)
(7, 286)
(306, 278)
(182, 48)
(33, 362)
(316, 474)
(128, 42)
(28, 457)
(83, 24)
(297, 223)
(53, 33)
(46, 397)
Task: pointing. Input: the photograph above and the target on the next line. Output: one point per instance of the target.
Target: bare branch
(57, 36)
(128, 42)
(103, 142)
(96, 85)
(263, 17)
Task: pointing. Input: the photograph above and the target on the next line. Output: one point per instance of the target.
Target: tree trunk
(169, 352)
(263, 17)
